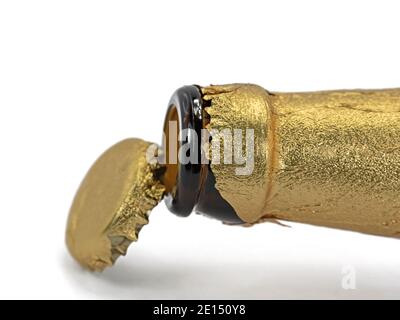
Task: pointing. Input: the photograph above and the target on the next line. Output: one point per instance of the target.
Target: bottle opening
(181, 178)
(171, 148)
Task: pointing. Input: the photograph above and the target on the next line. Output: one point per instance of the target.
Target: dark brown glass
(191, 187)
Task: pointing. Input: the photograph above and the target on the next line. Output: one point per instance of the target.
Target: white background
(78, 76)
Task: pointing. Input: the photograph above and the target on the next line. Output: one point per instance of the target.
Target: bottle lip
(187, 101)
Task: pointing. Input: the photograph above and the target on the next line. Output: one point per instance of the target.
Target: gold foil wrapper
(324, 158)
(113, 204)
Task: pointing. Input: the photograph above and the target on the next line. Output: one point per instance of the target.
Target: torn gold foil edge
(145, 194)
(113, 204)
(240, 107)
(327, 158)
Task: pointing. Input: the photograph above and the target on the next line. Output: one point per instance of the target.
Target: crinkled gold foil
(324, 158)
(239, 107)
(112, 205)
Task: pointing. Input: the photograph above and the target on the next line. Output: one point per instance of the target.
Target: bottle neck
(189, 181)
(182, 177)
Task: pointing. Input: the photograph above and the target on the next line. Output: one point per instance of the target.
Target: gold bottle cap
(113, 204)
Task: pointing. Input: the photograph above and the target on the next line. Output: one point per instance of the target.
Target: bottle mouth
(171, 145)
(182, 150)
